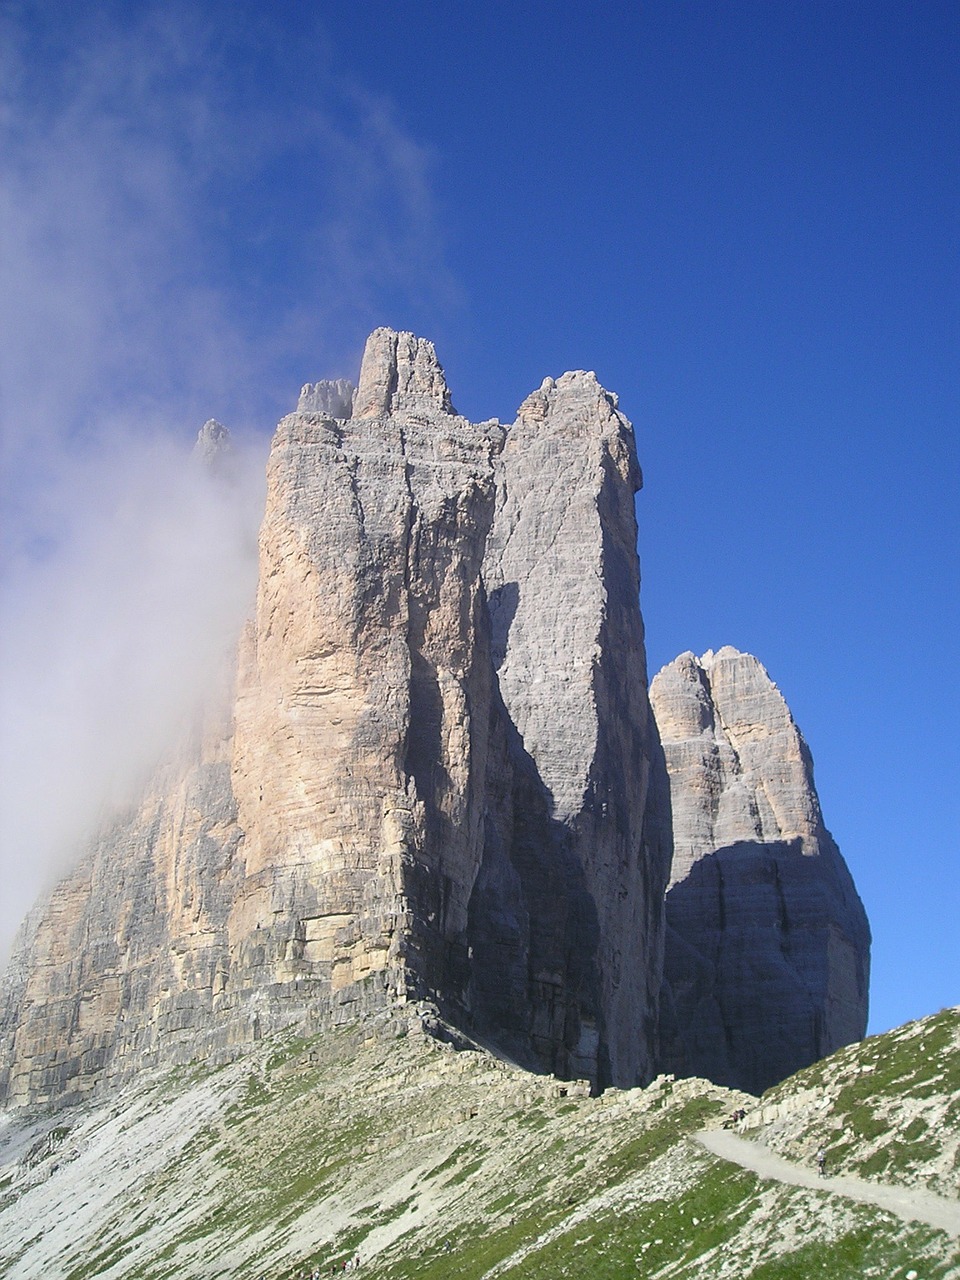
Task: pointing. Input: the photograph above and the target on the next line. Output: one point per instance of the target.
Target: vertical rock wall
(767, 948)
(126, 962)
(361, 722)
(410, 795)
(563, 579)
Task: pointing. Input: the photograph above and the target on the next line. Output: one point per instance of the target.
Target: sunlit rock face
(767, 944)
(435, 778)
(362, 713)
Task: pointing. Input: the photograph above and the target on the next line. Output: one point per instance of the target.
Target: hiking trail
(909, 1203)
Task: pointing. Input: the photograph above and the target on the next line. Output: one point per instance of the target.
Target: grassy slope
(431, 1163)
(887, 1108)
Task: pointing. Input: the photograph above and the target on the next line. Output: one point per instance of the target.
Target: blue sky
(743, 216)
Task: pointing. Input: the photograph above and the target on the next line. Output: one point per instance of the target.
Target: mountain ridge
(439, 778)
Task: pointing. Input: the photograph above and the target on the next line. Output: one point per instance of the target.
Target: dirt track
(907, 1203)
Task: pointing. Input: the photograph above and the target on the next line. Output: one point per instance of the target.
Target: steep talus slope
(767, 946)
(385, 808)
(434, 1162)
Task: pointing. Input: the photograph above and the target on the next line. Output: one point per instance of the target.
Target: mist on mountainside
(145, 286)
(110, 640)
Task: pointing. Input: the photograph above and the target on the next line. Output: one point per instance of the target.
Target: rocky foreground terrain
(430, 1159)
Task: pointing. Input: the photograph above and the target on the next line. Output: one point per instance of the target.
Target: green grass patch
(862, 1120)
(915, 1129)
(255, 1095)
(98, 1263)
(466, 1172)
(287, 1046)
(654, 1235)
(634, 1153)
(474, 1249)
(865, 1253)
(897, 1157)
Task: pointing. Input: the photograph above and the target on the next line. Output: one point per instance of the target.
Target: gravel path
(908, 1203)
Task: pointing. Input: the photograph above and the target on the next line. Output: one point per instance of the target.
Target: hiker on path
(822, 1162)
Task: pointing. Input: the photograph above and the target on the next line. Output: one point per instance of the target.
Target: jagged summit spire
(214, 450)
(577, 407)
(577, 386)
(212, 438)
(334, 399)
(400, 373)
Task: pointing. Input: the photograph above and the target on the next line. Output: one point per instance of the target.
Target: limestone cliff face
(562, 573)
(363, 703)
(767, 947)
(126, 961)
(436, 777)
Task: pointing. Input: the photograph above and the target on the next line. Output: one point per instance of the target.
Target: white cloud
(111, 640)
(175, 243)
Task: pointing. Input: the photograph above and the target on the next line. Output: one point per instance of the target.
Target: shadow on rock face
(534, 930)
(765, 964)
(524, 977)
(502, 605)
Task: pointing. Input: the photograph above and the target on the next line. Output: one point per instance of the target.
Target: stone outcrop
(436, 779)
(767, 944)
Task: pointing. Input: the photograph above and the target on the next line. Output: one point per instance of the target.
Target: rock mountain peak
(438, 784)
(400, 374)
(767, 943)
